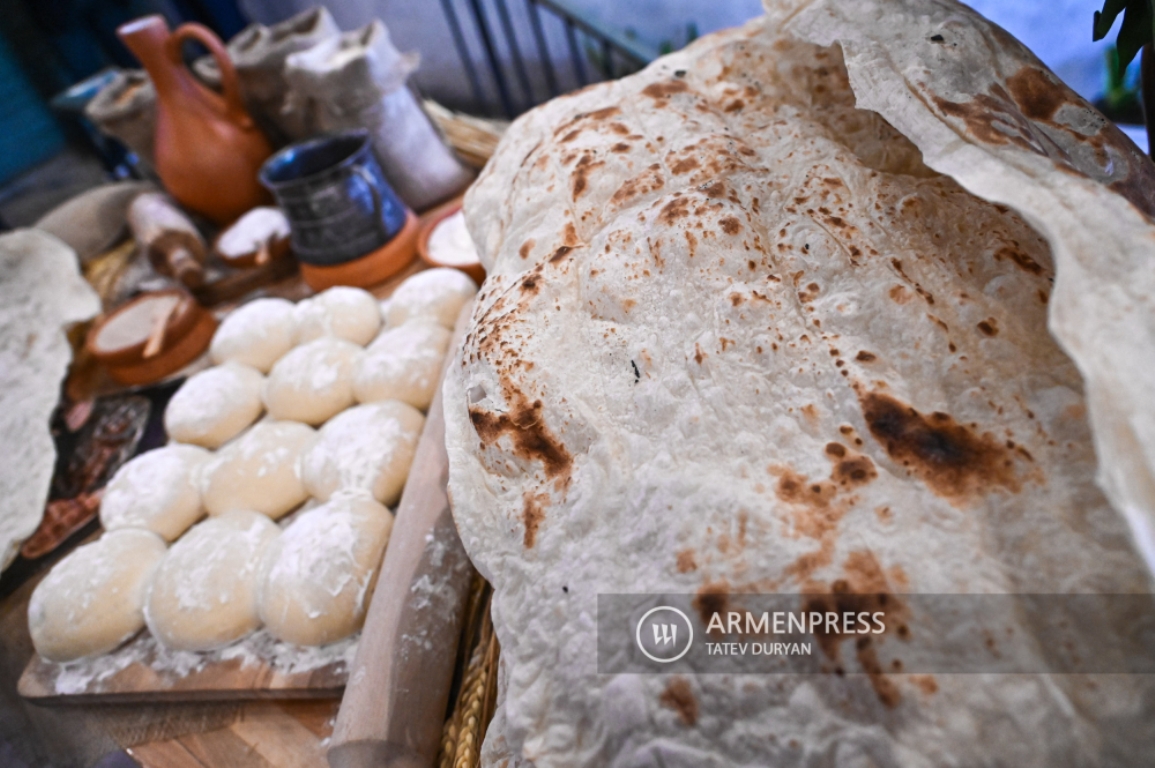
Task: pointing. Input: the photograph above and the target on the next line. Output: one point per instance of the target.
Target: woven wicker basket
(475, 691)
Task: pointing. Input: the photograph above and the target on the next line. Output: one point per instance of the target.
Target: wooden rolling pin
(395, 701)
(171, 241)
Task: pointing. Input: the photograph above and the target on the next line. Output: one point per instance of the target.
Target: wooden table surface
(265, 735)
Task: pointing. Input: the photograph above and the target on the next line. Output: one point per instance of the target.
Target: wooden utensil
(171, 241)
(395, 701)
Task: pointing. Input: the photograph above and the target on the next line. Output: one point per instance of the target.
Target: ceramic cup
(335, 196)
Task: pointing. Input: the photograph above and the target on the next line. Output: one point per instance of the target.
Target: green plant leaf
(1105, 19)
(1134, 32)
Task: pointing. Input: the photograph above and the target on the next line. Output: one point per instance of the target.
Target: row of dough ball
(313, 355)
(309, 584)
(236, 570)
(271, 468)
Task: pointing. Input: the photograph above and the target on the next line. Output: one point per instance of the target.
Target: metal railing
(591, 51)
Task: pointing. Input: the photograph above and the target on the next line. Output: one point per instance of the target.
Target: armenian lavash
(747, 330)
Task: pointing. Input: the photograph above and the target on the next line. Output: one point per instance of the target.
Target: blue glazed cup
(335, 196)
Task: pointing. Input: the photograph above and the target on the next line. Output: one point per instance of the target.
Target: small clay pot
(429, 223)
(371, 269)
(119, 338)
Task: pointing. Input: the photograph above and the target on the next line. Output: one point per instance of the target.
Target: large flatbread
(41, 292)
(739, 335)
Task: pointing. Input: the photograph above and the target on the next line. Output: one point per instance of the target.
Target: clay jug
(208, 149)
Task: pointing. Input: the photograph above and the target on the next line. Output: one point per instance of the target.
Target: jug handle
(378, 204)
(234, 105)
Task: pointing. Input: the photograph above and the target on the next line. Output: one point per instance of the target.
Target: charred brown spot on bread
(571, 135)
(524, 424)
(533, 512)
(686, 561)
(812, 514)
(810, 293)
(603, 113)
(679, 697)
(926, 295)
(712, 598)
(648, 181)
(865, 357)
(953, 461)
(925, 683)
(529, 283)
(730, 225)
(525, 248)
(989, 327)
(581, 173)
(661, 91)
(1038, 96)
(854, 470)
(1138, 185)
(992, 120)
(596, 115)
(1016, 255)
(837, 450)
(714, 190)
(699, 355)
(863, 590)
(677, 208)
(685, 165)
(620, 147)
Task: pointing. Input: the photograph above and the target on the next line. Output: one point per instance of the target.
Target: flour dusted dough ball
(92, 600)
(258, 470)
(347, 313)
(368, 448)
(313, 382)
(435, 294)
(204, 593)
(319, 574)
(403, 363)
(215, 405)
(256, 334)
(158, 491)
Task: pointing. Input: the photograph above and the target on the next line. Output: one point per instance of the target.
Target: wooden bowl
(371, 269)
(119, 339)
(429, 223)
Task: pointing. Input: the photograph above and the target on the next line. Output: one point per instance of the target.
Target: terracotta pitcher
(208, 149)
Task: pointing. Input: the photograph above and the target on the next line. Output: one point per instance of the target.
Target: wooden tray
(140, 672)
